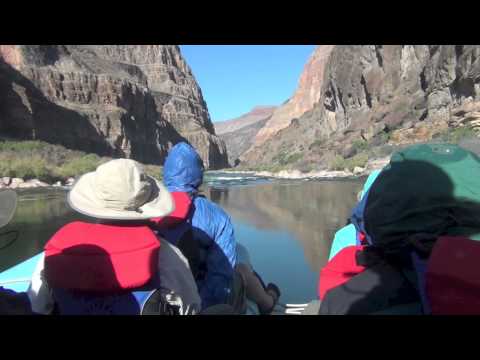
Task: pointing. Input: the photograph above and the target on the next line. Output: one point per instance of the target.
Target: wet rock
(16, 182)
(33, 183)
(358, 170)
(38, 183)
(6, 180)
(26, 185)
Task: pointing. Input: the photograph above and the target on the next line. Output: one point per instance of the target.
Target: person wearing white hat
(114, 264)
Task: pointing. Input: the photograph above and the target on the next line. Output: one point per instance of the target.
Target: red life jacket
(101, 258)
(450, 285)
(339, 269)
(183, 203)
(453, 276)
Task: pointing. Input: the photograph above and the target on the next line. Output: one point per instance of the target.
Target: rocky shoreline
(322, 174)
(19, 183)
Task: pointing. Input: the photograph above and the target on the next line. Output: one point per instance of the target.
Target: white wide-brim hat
(120, 190)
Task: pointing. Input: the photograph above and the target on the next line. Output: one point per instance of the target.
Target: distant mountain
(239, 133)
(304, 98)
(256, 114)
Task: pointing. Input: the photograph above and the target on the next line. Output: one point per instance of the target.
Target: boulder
(32, 183)
(6, 180)
(358, 170)
(16, 182)
(37, 183)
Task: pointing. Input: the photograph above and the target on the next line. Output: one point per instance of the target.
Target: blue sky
(236, 78)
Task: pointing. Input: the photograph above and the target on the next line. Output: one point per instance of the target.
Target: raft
(18, 278)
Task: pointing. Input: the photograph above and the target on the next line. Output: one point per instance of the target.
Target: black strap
(191, 249)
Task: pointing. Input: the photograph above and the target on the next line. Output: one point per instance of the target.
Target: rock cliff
(240, 133)
(379, 95)
(131, 101)
(304, 98)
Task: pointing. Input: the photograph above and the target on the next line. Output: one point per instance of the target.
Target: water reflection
(39, 214)
(310, 211)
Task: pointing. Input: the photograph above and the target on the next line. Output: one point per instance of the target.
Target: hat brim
(8, 205)
(81, 198)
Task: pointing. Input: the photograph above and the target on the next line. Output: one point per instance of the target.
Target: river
(287, 226)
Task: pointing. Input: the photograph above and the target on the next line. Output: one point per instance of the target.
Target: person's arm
(175, 275)
(39, 293)
(221, 260)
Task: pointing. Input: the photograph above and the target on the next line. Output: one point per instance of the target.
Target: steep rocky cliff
(118, 100)
(304, 98)
(378, 95)
(240, 133)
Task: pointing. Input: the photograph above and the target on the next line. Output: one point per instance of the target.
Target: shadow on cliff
(151, 136)
(33, 116)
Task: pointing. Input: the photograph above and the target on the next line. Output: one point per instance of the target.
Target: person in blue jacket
(212, 231)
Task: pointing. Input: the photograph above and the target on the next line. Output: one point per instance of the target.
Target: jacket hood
(370, 180)
(183, 169)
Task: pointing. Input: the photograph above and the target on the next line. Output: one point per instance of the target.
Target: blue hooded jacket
(347, 236)
(211, 226)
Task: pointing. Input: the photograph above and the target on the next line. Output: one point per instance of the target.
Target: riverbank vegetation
(50, 163)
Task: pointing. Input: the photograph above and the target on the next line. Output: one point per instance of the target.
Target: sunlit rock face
(406, 93)
(133, 101)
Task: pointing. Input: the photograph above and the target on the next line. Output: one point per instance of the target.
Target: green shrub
(292, 158)
(359, 160)
(78, 166)
(22, 146)
(340, 163)
(49, 162)
(359, 145)
(456, 135)
(316, 143)
(283, 158)
(25, 168)
(337, 163)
